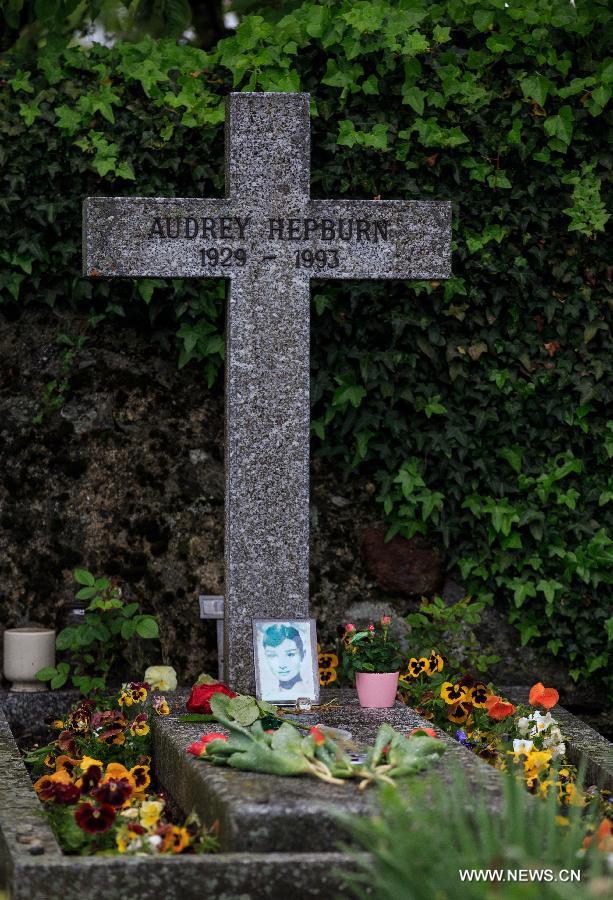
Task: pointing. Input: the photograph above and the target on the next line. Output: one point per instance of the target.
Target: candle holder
(27, 650)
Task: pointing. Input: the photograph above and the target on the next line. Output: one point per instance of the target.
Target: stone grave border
(55, 876)
(232, 873)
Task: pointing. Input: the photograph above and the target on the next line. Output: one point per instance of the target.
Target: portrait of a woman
(284, 661)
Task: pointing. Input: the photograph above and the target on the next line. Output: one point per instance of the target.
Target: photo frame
(285, 659)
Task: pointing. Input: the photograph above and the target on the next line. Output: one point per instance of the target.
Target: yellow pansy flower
(150, 813)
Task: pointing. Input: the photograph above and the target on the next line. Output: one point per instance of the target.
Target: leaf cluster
(286, 751)
(419, 842)
(109, 628)
(448, 628)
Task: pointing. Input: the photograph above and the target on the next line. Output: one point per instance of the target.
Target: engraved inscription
(223, 256)
(359, 230)
(211, 227)
(226, 228)
(317, 259)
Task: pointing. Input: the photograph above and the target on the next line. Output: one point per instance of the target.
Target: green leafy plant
(55, 391)
(408, 502)
(372, 650)
(108, 631)
(420, 842)
(447, 627)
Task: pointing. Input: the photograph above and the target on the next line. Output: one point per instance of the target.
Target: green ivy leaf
(46, 673)
(483, 19)
(21, 82)
(560, 126)
(348, 393)
(414, 97)
(68, 119)
(537, 87)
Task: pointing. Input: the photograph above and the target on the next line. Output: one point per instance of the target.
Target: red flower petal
(318, 735)
(200, 697)
(498, 709)
(198, 748)
(430, 732)
(95, 819)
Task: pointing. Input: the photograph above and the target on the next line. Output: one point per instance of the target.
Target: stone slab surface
(258, 812)
(156, 237)
(225, 876)
(267, 433)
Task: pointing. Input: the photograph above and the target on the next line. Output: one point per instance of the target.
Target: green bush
(477, 404)
(423, 838)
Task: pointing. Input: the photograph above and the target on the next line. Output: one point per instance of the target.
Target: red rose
(200, 697)
(198, 748)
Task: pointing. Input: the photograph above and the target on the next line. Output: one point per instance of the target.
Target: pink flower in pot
(375, 661)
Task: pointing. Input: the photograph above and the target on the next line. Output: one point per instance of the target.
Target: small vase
(376, 690)
(27, 650)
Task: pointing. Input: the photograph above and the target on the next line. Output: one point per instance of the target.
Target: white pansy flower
(154, 840)
(558, 750)
(523, 724)
(554, 736)
(161, 678)
(541, 722)
(522, 746)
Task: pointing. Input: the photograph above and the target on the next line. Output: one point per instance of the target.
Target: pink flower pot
(376, 690)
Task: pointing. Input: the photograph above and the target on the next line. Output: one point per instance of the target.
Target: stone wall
(126, 479)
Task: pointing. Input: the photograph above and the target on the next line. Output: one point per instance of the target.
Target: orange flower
(59, 777)
(65, 762)
(604, 837)
(176, 839)
(498, 709)
(542, 696)
(115, 772)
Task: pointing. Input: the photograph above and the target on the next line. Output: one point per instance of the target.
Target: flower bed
(36, 868)
(95, 782)
(525, 738)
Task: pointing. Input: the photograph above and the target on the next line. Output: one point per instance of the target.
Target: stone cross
(269, 238)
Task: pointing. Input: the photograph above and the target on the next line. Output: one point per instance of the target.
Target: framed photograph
(285, 656)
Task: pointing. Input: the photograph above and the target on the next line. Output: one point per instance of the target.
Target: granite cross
(269, 238)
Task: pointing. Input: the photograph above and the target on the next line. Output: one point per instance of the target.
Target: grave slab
(258, 812)
(229, 875)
